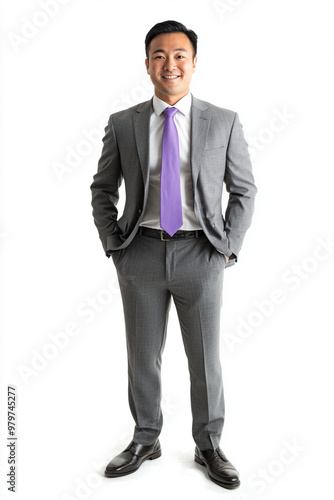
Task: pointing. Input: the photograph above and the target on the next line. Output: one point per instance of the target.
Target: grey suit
(191, 271)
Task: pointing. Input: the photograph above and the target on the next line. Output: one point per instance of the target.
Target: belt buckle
(162, 233)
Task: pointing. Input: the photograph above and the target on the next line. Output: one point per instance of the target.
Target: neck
(171, 100)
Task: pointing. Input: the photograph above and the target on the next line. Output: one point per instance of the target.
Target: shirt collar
(183, 105)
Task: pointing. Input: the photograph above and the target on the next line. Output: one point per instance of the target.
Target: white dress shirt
(151, 217)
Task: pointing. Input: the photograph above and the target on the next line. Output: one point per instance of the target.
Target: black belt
(163, 236)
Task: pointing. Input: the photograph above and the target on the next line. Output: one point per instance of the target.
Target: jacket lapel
(200, 116)
(141, 124)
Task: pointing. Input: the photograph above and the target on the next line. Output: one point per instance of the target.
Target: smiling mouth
(170, 77)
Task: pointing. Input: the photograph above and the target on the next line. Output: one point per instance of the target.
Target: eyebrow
(175, 50)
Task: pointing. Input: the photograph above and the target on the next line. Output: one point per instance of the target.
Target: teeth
(170, 77)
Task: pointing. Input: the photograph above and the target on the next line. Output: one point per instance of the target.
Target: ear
(194, 63)
(147, 68)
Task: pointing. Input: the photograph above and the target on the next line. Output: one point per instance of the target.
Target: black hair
(170, 27)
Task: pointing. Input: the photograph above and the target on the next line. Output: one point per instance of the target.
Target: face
(171, 65)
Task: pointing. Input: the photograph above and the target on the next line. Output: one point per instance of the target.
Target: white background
(63, 75)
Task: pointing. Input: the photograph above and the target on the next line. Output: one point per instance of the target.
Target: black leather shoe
(220, 470)
(131, 459)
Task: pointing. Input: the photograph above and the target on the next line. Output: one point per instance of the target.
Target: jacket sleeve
(240, 185)
(105, 187)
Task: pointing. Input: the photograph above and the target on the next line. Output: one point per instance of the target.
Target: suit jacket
(219, 156)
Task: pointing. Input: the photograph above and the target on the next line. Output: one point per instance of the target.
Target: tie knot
(170, 112)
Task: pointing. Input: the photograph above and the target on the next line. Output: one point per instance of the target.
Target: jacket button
(139, 211)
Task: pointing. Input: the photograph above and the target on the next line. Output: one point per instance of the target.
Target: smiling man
(171, 71)
(176, 155)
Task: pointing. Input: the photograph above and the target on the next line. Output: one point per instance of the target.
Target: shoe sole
(155, 455)
(223, 485)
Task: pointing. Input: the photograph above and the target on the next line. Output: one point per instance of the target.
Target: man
(172, 240)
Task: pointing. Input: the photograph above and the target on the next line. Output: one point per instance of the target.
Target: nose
(169, 64)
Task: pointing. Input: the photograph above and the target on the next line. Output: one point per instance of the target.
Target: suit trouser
(150, 272)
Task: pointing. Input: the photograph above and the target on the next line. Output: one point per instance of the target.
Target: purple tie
(170, 192)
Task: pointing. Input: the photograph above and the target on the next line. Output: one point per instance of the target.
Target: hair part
(170, 27)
